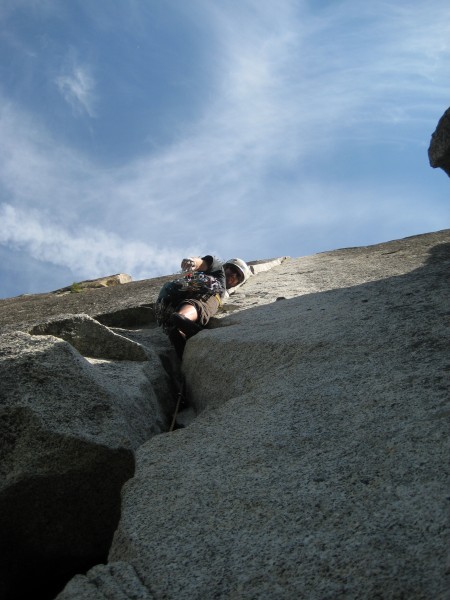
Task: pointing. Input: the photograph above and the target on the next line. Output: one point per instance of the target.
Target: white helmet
(241, 266)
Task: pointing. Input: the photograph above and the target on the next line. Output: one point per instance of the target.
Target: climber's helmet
(236, 271)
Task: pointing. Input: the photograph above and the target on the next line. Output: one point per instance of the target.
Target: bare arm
(194, 263)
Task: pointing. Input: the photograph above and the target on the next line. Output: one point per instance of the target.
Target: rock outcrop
(317, 462)
(101, 282)
(439, 150)
(69, 427)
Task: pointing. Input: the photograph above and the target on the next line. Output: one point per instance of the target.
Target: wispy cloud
(88, 252)
(78, 89)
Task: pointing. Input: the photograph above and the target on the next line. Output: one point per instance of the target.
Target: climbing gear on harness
(199, 283)
(192, 286)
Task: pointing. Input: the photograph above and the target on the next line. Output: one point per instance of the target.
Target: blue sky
(136, 132)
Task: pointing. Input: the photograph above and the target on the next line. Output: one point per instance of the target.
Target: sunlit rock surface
(101, 282)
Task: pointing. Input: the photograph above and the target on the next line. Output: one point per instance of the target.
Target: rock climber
(185, 306)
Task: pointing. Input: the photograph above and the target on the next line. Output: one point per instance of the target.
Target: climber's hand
(191, 264)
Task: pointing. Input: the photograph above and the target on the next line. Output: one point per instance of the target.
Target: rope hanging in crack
(180, 399)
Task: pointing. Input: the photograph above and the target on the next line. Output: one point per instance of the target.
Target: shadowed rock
(128, 317)
(68, 431)
(439, 150)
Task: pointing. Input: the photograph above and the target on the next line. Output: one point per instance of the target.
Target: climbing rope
(180, 398)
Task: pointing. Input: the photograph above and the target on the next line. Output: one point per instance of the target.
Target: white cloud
(78, 89)
(89, 252)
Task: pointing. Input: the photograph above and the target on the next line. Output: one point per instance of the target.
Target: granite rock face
(439, 150)
(317, 466)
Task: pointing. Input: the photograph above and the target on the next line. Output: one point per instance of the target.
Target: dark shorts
(205, 308)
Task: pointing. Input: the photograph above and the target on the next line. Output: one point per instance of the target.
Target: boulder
(439, 150)
(69, 427)
(316, 467)
(91, 338)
